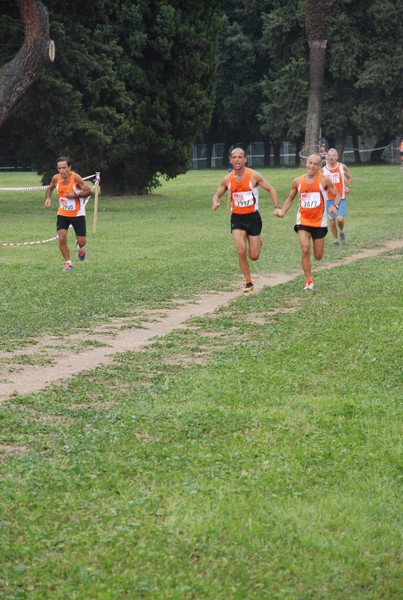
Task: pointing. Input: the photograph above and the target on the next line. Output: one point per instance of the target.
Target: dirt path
(118, 335)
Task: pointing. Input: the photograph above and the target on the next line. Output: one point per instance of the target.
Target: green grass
(148, 252)
(256, 454)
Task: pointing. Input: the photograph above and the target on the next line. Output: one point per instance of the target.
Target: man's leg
(340, 224)
(255, 246)
(62, 238)
(240, 239)
(332, 223)
(81, 240)
(319, 248)
(304, 238)
(80, 231)
(333, 228)
(340, 220)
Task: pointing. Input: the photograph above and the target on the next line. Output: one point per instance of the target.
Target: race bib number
(67, 203)
(310, 200)
(335, 177)
(242, 199)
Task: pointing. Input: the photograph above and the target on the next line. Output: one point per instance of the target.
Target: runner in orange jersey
(341, 177)
(246, 224)
(72, 191)
(312, 189)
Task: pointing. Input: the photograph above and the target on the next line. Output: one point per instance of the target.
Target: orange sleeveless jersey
(337, 177)
(312, 197)
(244, 197)
(69, 207)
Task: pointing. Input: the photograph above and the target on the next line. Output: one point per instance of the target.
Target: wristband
(336, 207)
(278, 206)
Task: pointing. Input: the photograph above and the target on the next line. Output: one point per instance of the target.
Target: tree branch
(18, 75)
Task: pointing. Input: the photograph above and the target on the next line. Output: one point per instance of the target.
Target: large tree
(285, 83)
(19, 73)
(241, 69)
(129, 92)
(364, 77)
(317, 20)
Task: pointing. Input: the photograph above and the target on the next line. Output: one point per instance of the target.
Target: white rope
(371, 149)
(27, 189)
(30, 243)
(43, 187)
(360, 150)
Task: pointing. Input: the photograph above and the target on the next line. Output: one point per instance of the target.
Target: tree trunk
(357, 155)
(277, 152)
(376, 153)
(225, 155)
(339, 145)
(316, 79)
(317, 18)
(267, 146)
(209, 154)
(17, 75)
(298, 148)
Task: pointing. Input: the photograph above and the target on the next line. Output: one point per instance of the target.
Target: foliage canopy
(130, 90)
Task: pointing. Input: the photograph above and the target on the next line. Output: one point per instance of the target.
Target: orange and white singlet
(69, 207)
(312, 203)
(337, 177)
(244, 197)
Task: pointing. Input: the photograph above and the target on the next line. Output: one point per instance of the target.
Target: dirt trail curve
(27, 379)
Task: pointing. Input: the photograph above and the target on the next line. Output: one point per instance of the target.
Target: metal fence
(256, 157)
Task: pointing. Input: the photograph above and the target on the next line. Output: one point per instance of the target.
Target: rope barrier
(372, 149)
(29, 243)
(45, 187)
(360, 150)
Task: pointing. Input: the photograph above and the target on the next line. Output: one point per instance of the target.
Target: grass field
(255, 454)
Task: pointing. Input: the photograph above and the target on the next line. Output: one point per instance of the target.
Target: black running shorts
(78, 224)
(317, 233)
(251, 223)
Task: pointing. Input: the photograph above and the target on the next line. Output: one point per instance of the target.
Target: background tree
(133, 83)
(284, 86)
(18, 74)
(129, 92)
(242, 66)
(317, 19)
(363, 89)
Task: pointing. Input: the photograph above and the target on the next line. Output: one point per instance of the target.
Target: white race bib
(310, 200)
(335, 177)
(242, 199)
(67, 203)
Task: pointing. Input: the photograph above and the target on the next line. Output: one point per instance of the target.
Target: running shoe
(81, 252)
(308, 285)
(343, 238)
(67, 266)
(336, 243)
(248, 287)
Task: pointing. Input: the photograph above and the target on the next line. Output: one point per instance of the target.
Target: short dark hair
(64, 158)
